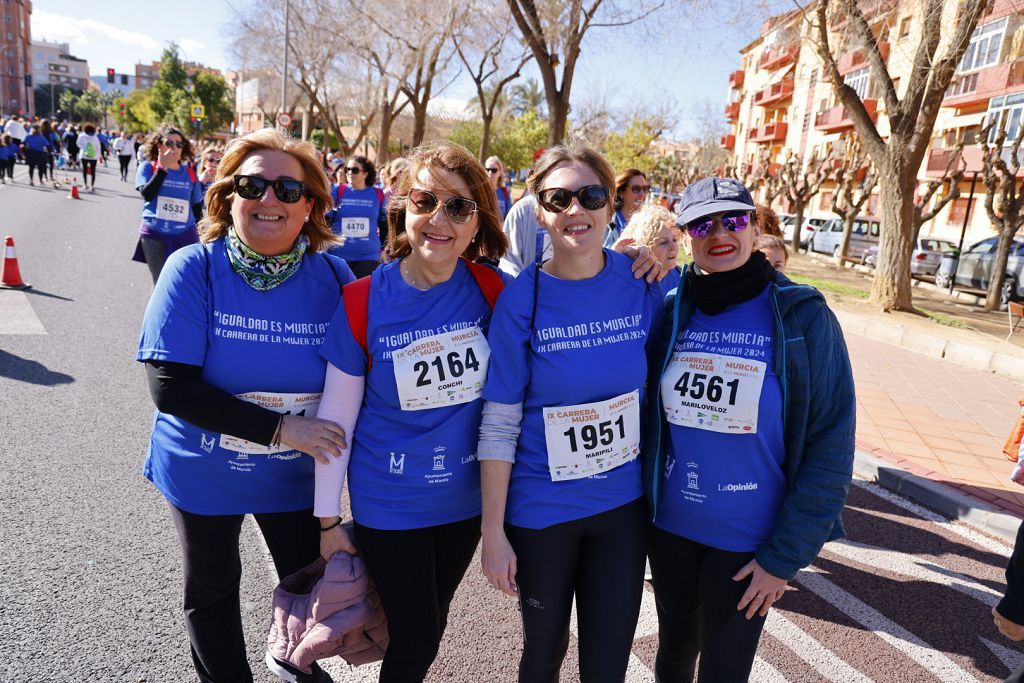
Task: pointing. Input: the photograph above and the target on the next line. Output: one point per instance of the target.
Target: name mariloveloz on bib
(592, 438)
(444, 369)
(288, 404)
(714, 392)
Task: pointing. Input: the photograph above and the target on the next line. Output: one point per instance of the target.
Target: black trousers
(212, 569)
(696, 599)
(124, 160)
(88, 168)
(416, 572)
(599, 560)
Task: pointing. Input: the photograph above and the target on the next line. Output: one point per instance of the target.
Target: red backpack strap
(356, 296)
(191, 173)
(380, 195)
(488, 280)
(341, 192)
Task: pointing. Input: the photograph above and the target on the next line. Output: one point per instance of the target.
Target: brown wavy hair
(570, 151)
(490, 240)
(622, 180)
(217, 220)
(153, 143)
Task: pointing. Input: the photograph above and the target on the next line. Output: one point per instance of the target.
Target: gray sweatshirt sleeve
(499, 431)
(521, 229)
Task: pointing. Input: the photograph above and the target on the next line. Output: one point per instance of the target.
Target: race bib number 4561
(712, 392)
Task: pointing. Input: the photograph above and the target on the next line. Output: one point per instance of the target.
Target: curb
(967, 355)
(941, 498)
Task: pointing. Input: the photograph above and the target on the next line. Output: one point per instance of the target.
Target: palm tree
(527, 96)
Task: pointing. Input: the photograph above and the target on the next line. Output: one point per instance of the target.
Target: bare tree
(911, 120)
(800, 183)
(554, 31)
(1001, 165)
(487, 49)
(924, 208)
(855, 181)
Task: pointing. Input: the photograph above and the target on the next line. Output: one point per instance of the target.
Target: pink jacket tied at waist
(328, 609)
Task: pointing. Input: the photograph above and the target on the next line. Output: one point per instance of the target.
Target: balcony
(838, 118)
(732, 111)
(736, 79)
(858, 59)
(778, 57)
(769, 132)
(774, 93)
(938, 160)
(979, 87)
(996, 9)
(728, 141)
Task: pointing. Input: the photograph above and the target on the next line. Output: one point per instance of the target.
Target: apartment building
(147, 74)
(780, 100)
(16, 95)
(54, 63)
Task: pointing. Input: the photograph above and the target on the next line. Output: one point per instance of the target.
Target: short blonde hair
(218, 197)
(645, 225)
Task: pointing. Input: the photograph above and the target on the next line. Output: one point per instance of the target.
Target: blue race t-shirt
(170, 212)
(413, 468)
(246, 341)
(724, 479)
(504, 201)
(586, 346)
(671, 281)
(614, 230)
(36, 143)
(355, 217)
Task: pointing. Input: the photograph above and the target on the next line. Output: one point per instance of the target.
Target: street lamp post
(284, 73)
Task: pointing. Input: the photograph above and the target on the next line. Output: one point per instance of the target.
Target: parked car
(865, 235)
(974, 270)
(786, 221)
(925, 258)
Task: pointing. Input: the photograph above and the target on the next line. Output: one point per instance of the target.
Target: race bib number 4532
(712, 392)
(442, 370)
(172, 209)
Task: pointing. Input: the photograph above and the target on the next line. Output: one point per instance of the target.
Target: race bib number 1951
(592, 438)
(712, 392)
(442, 370)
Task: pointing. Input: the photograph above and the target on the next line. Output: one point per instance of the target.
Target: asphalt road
(90, 566)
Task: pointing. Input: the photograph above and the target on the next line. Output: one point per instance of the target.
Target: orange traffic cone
(11, 278)
(74, 190)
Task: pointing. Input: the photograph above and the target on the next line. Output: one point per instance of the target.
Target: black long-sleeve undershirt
(151, 189)
(178, 389)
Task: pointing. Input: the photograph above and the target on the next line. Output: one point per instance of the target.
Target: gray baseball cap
(713, 195)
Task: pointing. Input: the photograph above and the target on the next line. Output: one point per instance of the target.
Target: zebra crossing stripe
(807, 648)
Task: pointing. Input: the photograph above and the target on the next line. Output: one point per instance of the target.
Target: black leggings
(124, 160)
(88, 167)
(416, 572)
(212, 570)
(8, 167)
(696, 599)
(600, 560)
(36, 162)
(155, 251)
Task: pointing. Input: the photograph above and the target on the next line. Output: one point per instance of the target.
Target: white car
(786, 222)
(924, 260)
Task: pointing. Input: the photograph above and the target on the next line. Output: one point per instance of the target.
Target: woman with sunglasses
(496, 175)
(230, 341)
(207, 170)
(749, 449)
(406, 366)
(359, 216)
(563, 507)
(631, 190)
(172, 199)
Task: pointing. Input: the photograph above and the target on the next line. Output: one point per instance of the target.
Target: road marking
(941, 666)
(944, 522)
(17, 315)
(1009, 657)
(763, 672)
(807, 648)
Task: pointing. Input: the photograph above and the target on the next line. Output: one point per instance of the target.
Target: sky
(684, 61)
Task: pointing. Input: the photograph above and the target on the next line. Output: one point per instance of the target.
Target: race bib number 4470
(592, 438)
(356, 227)
(171, 209)
(442, 370)
(712, 392)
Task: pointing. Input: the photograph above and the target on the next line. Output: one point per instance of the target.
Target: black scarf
(714, 292)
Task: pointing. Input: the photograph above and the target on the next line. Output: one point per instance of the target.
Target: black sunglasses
(353, 169)
(180, 144)
(558, 199)
(254, 187)
(457, 209)
(492, 170)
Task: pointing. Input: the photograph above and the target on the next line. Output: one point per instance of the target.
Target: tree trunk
(995, 283)
(558, 115)
(384, 139)
(844, 241)
(485, 137)
(798, 226)
(891, 286)
(419, 125)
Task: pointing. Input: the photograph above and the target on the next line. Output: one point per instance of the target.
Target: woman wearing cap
(359, 216)
(631, 189)
(563, 509)
(749, 448)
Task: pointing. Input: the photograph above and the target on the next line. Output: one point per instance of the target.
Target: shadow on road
(30, 371)
(39, 292)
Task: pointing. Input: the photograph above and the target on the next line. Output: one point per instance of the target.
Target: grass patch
(830, 287)
(942, 319)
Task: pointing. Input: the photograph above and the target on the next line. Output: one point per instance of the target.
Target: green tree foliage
(632, 148)
(212, 91)
(138, 116)
(514, 139)
(171, 98)
(82, 106)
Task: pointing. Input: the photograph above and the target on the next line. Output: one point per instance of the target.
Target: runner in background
(104, 145)
(359, 216)
(70, 140)
(496, 174)
(46, 128)
(748, 453)
(6, 159)
(631, 191)
(89, 154)
(122, 147)
(171, 198)
(36, 148)
(563, 508)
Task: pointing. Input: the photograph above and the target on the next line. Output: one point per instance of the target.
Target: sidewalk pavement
(934, 429)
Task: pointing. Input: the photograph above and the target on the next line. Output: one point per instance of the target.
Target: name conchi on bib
(442, 370)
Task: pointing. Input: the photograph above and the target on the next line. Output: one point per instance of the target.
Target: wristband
(328, 528)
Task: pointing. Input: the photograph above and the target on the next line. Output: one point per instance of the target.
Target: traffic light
(123, 110)
(28, 80)
(110, 75)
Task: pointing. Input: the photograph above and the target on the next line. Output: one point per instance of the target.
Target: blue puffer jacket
(819, 411)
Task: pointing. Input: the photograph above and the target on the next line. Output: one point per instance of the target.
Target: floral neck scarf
(263, 272)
